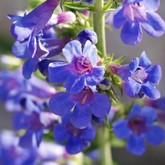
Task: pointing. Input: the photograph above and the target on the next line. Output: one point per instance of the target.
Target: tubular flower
(135, 15)
(139, 77)
(139, 126)
(81, 69)
(76, 139)
(81, 106)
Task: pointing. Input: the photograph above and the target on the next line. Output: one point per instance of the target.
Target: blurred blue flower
(81, 68)
(81, 106)
(139, 77)
(76, 139)
(135, 15)
(138, 126)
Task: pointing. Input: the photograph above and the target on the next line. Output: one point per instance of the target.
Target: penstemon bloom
(135, 15)
(139, 77)
(81, 105)
(81, 68)
(138, 126)
(76, 139)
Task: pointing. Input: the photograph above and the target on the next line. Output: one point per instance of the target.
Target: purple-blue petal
(60, 133)
(26, 141)
(118, 17)
(120, 129)
(39, 136)
(74, 145)
(29, 67)
(89, 133)
(144, 60)
(154, 25)
(57, 72)
(135, 145)
(131, 87)
(149, 113)
(131, 33)
(154, 74)
(72, 49)
(151, 5)
(95, 77)
(150, 91)
(155, 135)
(90, 51)
(99, 109)
(81, 116)
(134, 64)
(61, 104)
(136, 109)
(75, 84)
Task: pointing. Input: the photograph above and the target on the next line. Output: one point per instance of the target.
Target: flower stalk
(104, 146)
(99, 25)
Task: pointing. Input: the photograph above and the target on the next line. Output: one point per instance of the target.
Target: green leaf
(119, 60)
(76, 5)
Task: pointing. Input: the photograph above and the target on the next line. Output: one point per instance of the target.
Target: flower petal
(60, 133)
(144, 60)
(154, 25)
(134, 64)
(29, 67)
(154, 74)
(60, 103)
(118, 17)
(57, 72)
(98, 109)
(74, 145)
(89, 133)
(135, 145)
(90, 51)
(75, 84)
(131, 87)
(151, 5)
(155, 135)
(81, 116)
(150, 91)
(136, 109)
(149, 113)
(120, 129)
(26, 140)
(72, 49)
(95, 77)
(131, 33)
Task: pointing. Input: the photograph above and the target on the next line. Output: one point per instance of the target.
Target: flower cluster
(78, 93)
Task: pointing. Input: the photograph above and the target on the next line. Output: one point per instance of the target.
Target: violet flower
(135, 15)
(81, 106)
(81, 68)
(76, 139)
(138, 126)
(140, 77)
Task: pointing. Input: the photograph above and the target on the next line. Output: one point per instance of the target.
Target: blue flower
(139, 77)
(81, 69)
(135, 15)
(139, 126)
(33, 120)
(31, 24)
(11, 154)
(76, 139)
(81, 106)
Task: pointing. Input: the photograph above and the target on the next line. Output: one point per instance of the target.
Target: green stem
(104, 147)
(99, 25)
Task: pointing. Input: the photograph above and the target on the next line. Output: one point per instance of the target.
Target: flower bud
(87, 34)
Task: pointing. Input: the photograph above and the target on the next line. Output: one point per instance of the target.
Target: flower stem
(99, 25)
(104, 147)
